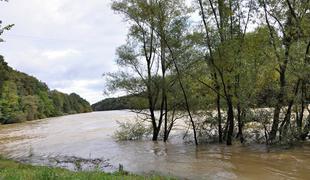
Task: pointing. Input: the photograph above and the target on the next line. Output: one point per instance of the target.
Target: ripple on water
(89, 135)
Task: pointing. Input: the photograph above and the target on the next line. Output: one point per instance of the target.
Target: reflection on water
(89, 136)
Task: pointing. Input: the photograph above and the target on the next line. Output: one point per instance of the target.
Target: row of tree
(24, 98)
(235, 57)
(121, 103)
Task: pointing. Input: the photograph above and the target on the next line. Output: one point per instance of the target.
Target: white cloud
(60, 54)
(83, 87)
(68, 44)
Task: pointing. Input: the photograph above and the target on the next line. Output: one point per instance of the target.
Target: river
(89, 136)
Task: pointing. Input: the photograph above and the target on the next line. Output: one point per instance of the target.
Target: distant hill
(25, 98)
(120, 103)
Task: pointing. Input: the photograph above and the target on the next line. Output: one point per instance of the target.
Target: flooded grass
(11, 170)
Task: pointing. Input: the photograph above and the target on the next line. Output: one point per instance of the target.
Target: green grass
(11, 170)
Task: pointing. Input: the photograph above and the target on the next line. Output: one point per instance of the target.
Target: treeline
(237, 57)
(263, 98)
(137, 102)
(24, 98)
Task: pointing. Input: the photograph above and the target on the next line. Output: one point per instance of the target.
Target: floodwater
(90, 136)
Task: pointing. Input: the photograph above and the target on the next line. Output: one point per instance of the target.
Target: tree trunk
(286, 121)
(164, 105)
(306, 130)
(230, 121)
(276, 118)
(240, 117)
(299, 120)
(225, 130)
(172, 122)
(155, 133)
(287, 118)
(167, 131)
(219, 118)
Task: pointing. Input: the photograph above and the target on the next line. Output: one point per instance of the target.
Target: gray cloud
(68, 44)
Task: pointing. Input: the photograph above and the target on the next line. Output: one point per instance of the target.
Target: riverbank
(10, 169)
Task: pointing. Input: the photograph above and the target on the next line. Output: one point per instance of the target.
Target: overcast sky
(68, 44)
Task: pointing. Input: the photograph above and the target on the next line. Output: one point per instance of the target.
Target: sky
(67, 44)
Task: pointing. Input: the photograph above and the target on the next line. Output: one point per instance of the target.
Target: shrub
(131, 131)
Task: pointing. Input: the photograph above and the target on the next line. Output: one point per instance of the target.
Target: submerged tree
(244, 55)
(154, 40)
(225, 26)
(288, 24)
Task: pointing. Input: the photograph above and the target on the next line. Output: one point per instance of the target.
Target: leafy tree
(46, 106)
(243, 56)
(289, 35)
(30, 106)
(150, 53)
(9, 101)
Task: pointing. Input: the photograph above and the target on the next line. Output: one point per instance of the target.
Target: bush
(131, 131)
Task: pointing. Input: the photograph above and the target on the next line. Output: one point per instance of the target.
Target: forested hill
(25, 98)
(137, 102)
(120, 103)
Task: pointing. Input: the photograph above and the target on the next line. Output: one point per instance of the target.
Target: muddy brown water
(90, 136)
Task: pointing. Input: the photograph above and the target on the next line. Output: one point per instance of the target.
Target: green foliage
(10, 170)
(125, 102)
(78, 104)
(131, 131)
(5, 28)
(30, 105)
(46, 104)
(9, 102)
(24, 98)
(244, 55)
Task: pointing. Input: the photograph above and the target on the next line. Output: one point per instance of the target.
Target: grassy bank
(11, 170)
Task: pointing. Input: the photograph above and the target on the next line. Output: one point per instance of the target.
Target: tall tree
(286, 21)
(226, 23)
(155, 26)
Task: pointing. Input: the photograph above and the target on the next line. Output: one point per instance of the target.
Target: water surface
(90, 136)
